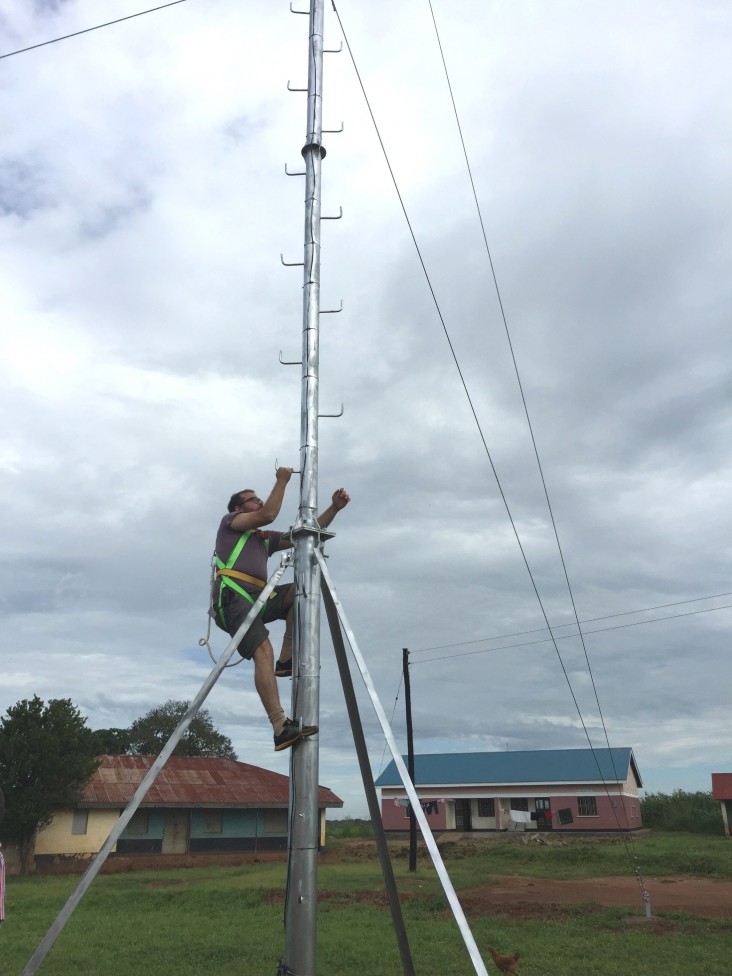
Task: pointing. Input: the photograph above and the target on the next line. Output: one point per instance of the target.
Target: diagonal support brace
(368, 782)
(429, 840)
(91, 872)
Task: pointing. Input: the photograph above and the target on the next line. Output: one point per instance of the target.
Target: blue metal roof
(536, 766)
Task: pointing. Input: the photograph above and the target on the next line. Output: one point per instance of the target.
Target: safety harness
(229, 576)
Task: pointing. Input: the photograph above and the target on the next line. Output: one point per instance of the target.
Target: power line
(454, 354)
(556, 637)
(391, 720)
(87, 30)
(589, 620)
(470, 401)
(523, 397)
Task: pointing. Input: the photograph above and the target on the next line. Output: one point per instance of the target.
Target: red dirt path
(698, 896)
(538, 898)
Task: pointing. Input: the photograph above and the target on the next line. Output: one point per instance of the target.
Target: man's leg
(266, 685)
(283, 668)
(286, 732)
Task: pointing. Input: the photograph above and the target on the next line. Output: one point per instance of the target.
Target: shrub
(348, 828)
(696, 813)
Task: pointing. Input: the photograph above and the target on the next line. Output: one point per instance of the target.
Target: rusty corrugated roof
(191, 782)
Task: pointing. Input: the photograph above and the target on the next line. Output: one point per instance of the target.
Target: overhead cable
(87, 30)
(591, 620)
(521, 388)
(556, 637)
(536, 453)
(464, 385)
(391, 720)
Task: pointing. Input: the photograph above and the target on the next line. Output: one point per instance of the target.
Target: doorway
(463, 817)
(543, 813)
(175, 832)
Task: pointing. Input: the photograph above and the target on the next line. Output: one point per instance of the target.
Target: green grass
(224, 921)
(656, 854)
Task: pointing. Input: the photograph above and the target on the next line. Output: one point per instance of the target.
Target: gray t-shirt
(252, 560)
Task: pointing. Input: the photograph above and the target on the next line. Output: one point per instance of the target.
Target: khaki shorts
(236, 607)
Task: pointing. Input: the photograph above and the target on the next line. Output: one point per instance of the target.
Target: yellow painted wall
(58, 839)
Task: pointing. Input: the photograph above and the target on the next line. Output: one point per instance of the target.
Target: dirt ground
(542, 898)
(538, 898)
(523, 896)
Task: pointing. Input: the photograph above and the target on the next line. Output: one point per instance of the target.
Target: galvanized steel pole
(301, 906)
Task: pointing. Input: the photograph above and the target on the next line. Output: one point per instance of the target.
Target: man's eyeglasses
(251, 498)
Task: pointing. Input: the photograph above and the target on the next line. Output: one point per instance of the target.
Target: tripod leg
(368, 782)
(91, 872)
(424, 827)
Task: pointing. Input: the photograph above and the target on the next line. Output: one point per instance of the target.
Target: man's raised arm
(339, 501)
(268, 511)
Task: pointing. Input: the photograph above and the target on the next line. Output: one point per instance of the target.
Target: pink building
(545, 789)
(722, 791)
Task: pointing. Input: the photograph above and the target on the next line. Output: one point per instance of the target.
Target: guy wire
(533, 439)
(463, 381)
(470, 402)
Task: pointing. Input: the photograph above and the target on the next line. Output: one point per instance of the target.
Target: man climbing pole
(242, 550)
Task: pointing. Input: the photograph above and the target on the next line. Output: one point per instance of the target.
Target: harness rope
(206, 641)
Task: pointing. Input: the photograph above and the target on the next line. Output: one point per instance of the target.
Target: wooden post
(410, 760)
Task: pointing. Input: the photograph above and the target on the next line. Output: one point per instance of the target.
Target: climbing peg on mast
(289, 86)
(321, 415)
(291, 264)
(299, 173)
(293, 11)
(332, 311)
(277, 464)
(290, 362)
(340, 214)
(336, 131)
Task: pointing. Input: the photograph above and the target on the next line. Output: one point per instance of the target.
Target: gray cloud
(143, 210)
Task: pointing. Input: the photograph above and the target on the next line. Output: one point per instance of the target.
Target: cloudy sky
(143, 210)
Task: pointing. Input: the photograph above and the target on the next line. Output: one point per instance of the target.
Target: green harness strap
(227, 581)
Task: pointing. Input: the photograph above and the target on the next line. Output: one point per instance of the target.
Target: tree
(111, 742)
(46, 757)
(149, 734)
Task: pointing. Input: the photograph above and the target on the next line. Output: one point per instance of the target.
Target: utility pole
(301, 904)
(410, 760)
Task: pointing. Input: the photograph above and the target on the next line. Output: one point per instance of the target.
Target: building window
(486, 806)
(586, 806)
(275, 822)
(213, 821)
(520, 803)
(80, 821)
(139, 824)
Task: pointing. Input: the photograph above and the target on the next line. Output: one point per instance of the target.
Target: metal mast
(301, 906)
